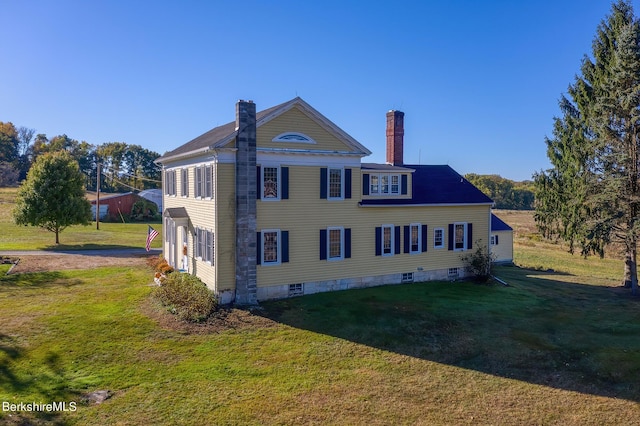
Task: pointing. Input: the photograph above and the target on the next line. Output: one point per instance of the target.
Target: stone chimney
(395, 137)
(246, 187)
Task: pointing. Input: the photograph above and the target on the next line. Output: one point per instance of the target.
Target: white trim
(419, 225)
(278, 182)
(278, 249)
(434, 239)
(422, 205)
(393, 236)
(464, 236)
(389, 193)
(341, 196)
(335, 228)
(330, 159)
(293, 137)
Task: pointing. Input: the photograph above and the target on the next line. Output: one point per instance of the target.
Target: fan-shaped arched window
(294, 137)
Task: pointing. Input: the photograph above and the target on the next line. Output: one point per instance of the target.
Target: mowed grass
(552, 348)
(110, 235)
(544, 350)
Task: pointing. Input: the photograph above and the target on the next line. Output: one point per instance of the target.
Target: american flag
(151, 234)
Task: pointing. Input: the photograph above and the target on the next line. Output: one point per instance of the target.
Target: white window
(438, 238)
(493, 240)
(185, 183)
(374, 184)
(395, 184)
(271, 247)
(209, 248)
(199, 185)
(293, 137)
(335, 244)
(460, 236)
(170, 182)
(387, 240)
(384, 184)
(204, 182)
(335, 184)
(270, 183)
(208, 181)
(407, 277)
(296, 289)
(415, 238)
(453, 273)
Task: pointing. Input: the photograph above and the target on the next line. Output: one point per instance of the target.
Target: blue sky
(478, 81)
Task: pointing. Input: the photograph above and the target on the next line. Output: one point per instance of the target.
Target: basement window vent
(453, 273)
(407, 277)
(296, 289)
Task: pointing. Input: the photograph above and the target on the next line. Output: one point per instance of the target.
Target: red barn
(117, 204)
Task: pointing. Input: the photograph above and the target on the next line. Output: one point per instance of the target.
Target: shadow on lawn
(37, 280)
(13, 382)
(544, 328)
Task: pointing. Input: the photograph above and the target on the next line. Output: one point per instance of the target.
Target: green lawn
(544, 350)
(552, 348)
(110, 235)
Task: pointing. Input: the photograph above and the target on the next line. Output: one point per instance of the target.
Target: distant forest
(124, 167)
(506, 193)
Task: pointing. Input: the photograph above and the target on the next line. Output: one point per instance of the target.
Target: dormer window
(293, 137)
(384, 184)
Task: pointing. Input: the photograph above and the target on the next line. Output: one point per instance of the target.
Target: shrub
(160, 265)
(187, 297)
(479, 262)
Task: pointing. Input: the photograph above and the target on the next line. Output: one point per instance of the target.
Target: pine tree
(591, 196)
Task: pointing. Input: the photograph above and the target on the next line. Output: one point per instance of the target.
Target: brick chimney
(246, 187)
(395, 137)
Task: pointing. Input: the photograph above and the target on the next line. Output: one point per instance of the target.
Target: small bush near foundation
(187, 297)
(479, 262)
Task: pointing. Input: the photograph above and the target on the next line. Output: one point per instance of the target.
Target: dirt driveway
(39, 261)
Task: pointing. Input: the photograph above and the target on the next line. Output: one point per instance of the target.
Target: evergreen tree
(52, 196)
(591, 196)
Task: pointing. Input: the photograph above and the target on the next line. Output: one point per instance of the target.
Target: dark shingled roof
(436, 185)
(213, 136)
(498, 225)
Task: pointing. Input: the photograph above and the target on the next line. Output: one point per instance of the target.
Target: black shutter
(284, 176)
(378, 241)
(397, 240)
(347, 243)
(469, 236)
(496, 240)
(323, 244)
(424, 238)
(403, 188)
(347, 183)
(450, 236)
(258, 247)
(407, 237)
(284, 235)
(258, 186)
(365, 184)
(323, 182)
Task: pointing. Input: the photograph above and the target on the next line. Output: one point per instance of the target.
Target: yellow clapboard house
(279, 203)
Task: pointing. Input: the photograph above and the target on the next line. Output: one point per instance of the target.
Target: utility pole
(98, 199)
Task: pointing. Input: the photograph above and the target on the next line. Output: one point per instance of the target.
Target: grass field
(552, 348)
(110, 235)
(543, 351)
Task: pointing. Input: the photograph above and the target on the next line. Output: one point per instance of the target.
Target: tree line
(125, 167)
(506, 193)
